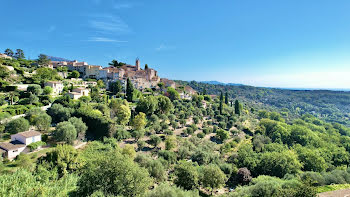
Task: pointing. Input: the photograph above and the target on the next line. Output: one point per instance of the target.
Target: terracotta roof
(27, 134)
(12, 145)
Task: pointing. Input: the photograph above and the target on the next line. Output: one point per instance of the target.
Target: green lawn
(328, 188)
(40, 153)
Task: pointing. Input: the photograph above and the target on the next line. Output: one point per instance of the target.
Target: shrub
(164, 190)
(141, 144)
(212, 176)
(186, 175)
(66, 132)
(170, 142)
(35, 145)
(222, 135)
(120, 177)
(155, 140)
(201, 135)
(17, 125)
(168, 155)
(207, 130)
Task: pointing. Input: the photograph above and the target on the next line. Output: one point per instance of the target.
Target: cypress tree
(129, 90)
(226, 98)
(204, 91)
(221, 102)
(237, 108)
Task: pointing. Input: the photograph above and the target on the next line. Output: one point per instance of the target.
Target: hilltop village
(141, 79)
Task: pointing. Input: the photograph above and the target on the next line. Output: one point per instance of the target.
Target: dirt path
(336, 193)
(80, 145)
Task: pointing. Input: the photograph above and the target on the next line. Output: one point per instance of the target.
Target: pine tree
(221, 102)
(19, 54)
(9, 52)
(237, 108)
(129, 90)
(226, 98)
(43, 60)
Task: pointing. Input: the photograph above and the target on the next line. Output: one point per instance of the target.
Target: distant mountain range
(52, 58)
(221, 83)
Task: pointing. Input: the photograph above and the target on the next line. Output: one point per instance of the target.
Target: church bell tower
(138, 64)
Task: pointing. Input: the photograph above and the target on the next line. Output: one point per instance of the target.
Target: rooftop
(56, 82)
(27, 134)
(12, 145)
(74, 93)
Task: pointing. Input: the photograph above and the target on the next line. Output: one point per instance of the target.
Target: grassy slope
(328, 188)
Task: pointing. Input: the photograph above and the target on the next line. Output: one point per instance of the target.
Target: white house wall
(11, 154)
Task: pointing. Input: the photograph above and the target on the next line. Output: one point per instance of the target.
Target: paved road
(337, 193)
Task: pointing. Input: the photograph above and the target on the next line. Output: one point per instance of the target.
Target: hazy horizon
(289, 44)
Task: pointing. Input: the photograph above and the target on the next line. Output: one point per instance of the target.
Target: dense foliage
(332, 106)
(252, 141)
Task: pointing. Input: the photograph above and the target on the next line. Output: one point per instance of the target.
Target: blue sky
(289, 43)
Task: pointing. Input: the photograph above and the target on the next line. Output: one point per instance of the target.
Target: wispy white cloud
(163, 47)
(109, 24)
(51, 28)
(103, 39)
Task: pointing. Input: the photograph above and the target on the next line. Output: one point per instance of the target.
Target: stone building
(5, 56)
(57, 86)
(76, 93)
(141, 78)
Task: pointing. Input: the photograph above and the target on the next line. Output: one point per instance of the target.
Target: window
(33, 139)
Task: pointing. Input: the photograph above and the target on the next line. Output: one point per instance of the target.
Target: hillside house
(89, 83)
(92, 71)
(5, 56)
(168, 83)
(18, 143)
(27, 137)
(184, 95)
(76, 93)
(103, 74)
(22, 87)
(56, 86)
